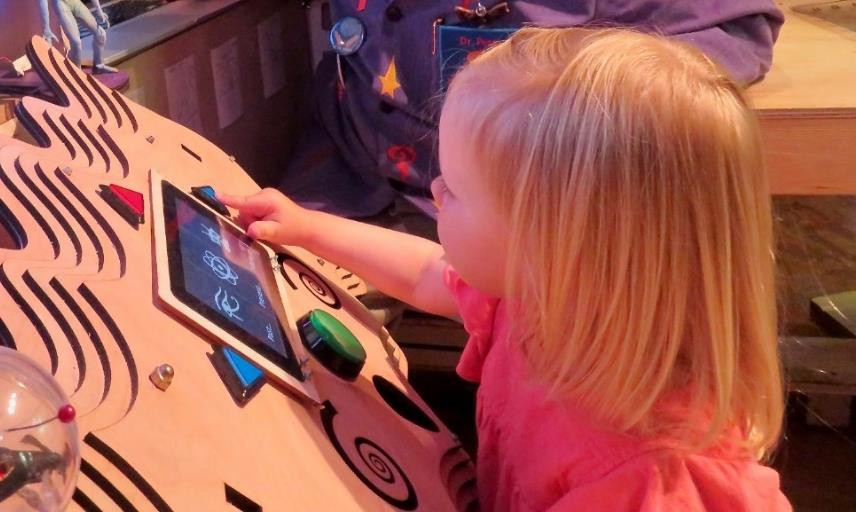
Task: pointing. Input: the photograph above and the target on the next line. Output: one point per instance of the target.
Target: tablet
(221, 281)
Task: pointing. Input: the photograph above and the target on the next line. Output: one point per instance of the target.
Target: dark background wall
(19, 20)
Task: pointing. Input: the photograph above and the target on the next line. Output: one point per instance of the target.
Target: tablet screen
(225, 276)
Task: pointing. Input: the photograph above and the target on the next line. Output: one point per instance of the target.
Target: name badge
(458, 45)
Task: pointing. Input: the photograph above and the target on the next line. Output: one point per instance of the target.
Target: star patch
(389, 80)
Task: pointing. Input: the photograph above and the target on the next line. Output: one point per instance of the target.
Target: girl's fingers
(230, 200)
(245, 220)
(263, 230)
(256, 204)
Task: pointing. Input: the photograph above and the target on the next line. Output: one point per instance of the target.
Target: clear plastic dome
(39, 450)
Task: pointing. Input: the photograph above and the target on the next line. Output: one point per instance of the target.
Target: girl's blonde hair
(630, 169)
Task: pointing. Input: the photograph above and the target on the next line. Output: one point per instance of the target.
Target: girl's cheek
(443, 225)
(437, 192)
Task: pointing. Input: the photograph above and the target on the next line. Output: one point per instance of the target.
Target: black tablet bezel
(171, 193)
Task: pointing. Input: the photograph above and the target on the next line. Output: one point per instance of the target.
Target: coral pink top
(536, 454)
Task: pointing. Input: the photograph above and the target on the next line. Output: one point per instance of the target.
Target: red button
(129, 203)
(132, 198)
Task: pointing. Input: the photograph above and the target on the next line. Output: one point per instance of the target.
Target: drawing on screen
(227, 304)
(220, 267)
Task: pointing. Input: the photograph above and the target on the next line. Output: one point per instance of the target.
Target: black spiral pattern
(377, 460)
(314, 284)
(378, 463)
(320, 290)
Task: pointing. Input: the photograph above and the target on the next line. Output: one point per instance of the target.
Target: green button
(337, 336)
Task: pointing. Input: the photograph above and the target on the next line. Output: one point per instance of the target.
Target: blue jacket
(378, 135)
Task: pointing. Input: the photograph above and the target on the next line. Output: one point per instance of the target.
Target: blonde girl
(605, 235)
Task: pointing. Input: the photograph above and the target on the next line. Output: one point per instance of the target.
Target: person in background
(372, 138)
(605, 234)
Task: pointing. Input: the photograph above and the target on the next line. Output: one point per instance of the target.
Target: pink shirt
(536, 454)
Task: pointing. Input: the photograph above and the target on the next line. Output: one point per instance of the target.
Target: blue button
(208, 190)
(248, 374)
(208, 196)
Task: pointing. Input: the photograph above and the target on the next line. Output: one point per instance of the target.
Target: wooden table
(807, 102)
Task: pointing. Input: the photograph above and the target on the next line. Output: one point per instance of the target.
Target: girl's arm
(403, 266)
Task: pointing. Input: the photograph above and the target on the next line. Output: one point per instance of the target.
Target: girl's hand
(270, 216)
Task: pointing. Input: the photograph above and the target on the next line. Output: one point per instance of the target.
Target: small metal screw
(150, 139)
(162, 376)
(66, 171)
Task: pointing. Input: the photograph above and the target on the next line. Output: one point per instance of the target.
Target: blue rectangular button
(246, 372)
(208, 196)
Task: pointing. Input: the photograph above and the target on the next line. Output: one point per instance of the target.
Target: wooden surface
(807, 102)
(79, 299)
(814, 62)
